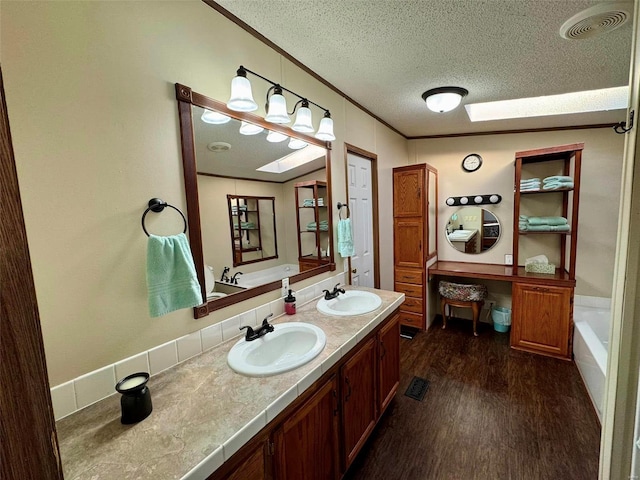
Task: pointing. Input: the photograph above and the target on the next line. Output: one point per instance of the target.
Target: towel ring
(156, 205)
(340, 205)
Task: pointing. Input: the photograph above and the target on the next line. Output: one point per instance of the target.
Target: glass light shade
(303, 121)
(214, 118)
(275, 137)
(494, 198)
(277, 111)
(241, 97)
(297, 144)
(450, 201)
(464, 200)
(478, 199)
(247, 128)
(325, 131)
(443, 102)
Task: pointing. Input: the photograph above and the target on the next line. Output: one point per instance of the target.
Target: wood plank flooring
(490, 413)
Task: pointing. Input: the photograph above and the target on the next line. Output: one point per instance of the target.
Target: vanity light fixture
(475, 200)
(242, 101)
(276, 137)
(247, 128)
(215, 118)
(444, 99)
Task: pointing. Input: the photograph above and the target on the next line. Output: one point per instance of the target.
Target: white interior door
(360, 194)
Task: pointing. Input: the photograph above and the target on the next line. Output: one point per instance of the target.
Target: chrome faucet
(234, 279)
(265, 328)
(336, 291)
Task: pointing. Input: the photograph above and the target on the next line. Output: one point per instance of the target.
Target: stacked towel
(530, 185)
(172, 282)
(323, 226)
(557, 182)
(311, 202)
(245, 225)
(543, 224)
(345, 238)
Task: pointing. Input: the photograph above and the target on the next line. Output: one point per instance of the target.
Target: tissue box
(548, 268)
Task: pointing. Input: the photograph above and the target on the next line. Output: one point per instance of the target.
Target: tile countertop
(203, 411)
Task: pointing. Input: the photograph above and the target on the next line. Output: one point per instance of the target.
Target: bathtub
(268, 275)
(592, 317)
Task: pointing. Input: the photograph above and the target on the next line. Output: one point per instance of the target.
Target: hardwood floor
(490, 413)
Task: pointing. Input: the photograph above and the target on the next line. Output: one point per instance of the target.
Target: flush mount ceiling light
(444, 99)
(242, 101)
(616, 98)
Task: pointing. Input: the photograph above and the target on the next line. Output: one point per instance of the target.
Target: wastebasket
(501, 319)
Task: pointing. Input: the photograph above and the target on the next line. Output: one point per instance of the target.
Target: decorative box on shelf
(548, 268)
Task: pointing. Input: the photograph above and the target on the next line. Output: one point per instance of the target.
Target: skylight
(615, 98)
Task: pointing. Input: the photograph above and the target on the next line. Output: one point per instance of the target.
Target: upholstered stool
(464, 296)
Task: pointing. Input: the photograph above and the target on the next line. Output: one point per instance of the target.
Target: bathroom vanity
(210, 422)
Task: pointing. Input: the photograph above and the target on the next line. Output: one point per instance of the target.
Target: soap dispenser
(290, 304)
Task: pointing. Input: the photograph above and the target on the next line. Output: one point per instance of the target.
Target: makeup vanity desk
(542, 305)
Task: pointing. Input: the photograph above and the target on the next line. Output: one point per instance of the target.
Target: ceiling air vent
(595, 20)
(218, 147)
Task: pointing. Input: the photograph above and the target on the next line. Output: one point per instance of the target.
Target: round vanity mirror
(473, 230)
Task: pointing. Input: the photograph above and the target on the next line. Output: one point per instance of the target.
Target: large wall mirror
(240, 174)
(473, 230)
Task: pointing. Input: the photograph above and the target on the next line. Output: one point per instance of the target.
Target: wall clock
(471, 162)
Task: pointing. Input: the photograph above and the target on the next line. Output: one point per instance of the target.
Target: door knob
(354, 270)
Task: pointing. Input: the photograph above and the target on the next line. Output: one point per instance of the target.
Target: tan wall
(90, 94)
(599, 193)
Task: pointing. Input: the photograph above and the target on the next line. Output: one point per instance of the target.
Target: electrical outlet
(285, 287)
(508, 259)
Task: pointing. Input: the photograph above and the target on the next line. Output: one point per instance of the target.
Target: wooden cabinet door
(358, 387)
(541, 319)
(253, 468)
(307, 444)
(388, 362)
(408, 243)
(408, 193)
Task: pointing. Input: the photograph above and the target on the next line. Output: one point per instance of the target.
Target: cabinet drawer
(410, 290)
(408, 276)
(411, 304)
(412, 319)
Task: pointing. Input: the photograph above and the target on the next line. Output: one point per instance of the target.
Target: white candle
(132, 382)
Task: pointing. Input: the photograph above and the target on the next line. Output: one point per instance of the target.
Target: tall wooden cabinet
(542, 316)
(414, 222)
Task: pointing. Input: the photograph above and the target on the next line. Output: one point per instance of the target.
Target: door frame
(373, 158)
(29, 447)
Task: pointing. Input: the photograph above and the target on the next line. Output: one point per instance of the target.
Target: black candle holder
(135, 402)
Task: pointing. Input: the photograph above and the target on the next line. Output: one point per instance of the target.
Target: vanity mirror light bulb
(477, 199)
(494, 198)
(450, 201)
(464, 200)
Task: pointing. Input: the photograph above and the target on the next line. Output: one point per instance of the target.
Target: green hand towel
(345, 238)
(558, 178)
(546, 228)
(172, 281)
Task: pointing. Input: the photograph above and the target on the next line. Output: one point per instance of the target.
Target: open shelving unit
(311, 211)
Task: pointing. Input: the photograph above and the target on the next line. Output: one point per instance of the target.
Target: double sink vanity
(210, 422)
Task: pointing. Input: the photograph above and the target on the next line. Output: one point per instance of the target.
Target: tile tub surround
(203, 412)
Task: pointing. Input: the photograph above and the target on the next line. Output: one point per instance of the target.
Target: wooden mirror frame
(186, 99)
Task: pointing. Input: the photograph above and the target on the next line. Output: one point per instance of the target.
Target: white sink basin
(289, 346)
(461, 235)
(353, 302)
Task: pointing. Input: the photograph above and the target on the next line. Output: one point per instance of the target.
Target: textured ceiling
(385, 54)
